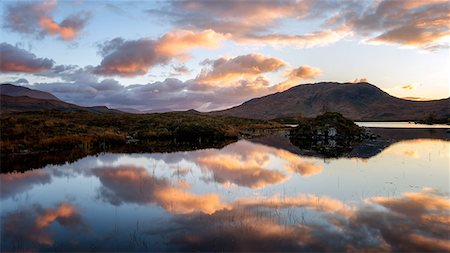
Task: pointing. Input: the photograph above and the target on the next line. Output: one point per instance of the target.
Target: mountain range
(357, 101)
(19, 99)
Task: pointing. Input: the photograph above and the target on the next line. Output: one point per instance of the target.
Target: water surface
(244, 197)
(400, 125)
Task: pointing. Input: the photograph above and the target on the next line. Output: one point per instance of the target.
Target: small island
(329, 134)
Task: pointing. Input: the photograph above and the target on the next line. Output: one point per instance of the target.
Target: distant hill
(19, 91)
(21, 99)
(357, 101)
(24, 104)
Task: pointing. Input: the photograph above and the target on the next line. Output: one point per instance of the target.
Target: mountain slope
(20, 99)
(357, 101)
(18, 91)
(10, 104)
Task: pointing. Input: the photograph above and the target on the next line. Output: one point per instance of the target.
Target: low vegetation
(65, 130)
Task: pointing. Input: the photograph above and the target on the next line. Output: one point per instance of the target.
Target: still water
(243, 197)
(400, 125)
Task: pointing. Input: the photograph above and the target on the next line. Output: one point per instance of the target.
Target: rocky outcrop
(329, 134)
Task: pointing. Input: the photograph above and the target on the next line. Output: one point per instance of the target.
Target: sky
(211, 55)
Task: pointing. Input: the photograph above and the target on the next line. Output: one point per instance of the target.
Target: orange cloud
(178, 42)
(303, 72)
(14, 59)
(226, 70)
(66, 33)
(35, 18)
(136, 57)
(295, 75)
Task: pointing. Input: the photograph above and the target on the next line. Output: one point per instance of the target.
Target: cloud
(135, 57)
(180, 70)
(303, 72)
(294, 76)
(34, 18)
(253, 22)
(224, 82)
(409, 87)
(240, 67)
(360, 80)
(312, 39)
(422, 24)
(416, 98)
(14, 59)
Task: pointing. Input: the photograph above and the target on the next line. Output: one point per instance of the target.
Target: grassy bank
(46, 131)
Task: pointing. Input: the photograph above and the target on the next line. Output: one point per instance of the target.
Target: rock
(329, 134)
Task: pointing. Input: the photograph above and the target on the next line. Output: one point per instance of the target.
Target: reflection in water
(134, 185)
(29, 226)
(244, 197)
(378, 225)
(247, 164)
(15, 183)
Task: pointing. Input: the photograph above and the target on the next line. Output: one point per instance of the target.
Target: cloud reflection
(33, 224)
(12, 184)
(135, 185)
(412, 222)
(252, 165)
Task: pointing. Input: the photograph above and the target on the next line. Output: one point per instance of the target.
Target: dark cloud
(34, 18)
(14, 59)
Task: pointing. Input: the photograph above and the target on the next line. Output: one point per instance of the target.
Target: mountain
(19, 91)
(357, 101)
(23, 104)
(20, 99)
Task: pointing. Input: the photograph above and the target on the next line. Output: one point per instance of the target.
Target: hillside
(21, 99)
(357, 101)
(19, 91)
(9, 104)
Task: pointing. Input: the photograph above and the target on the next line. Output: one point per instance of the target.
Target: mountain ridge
(357, 101)
(20, 91)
